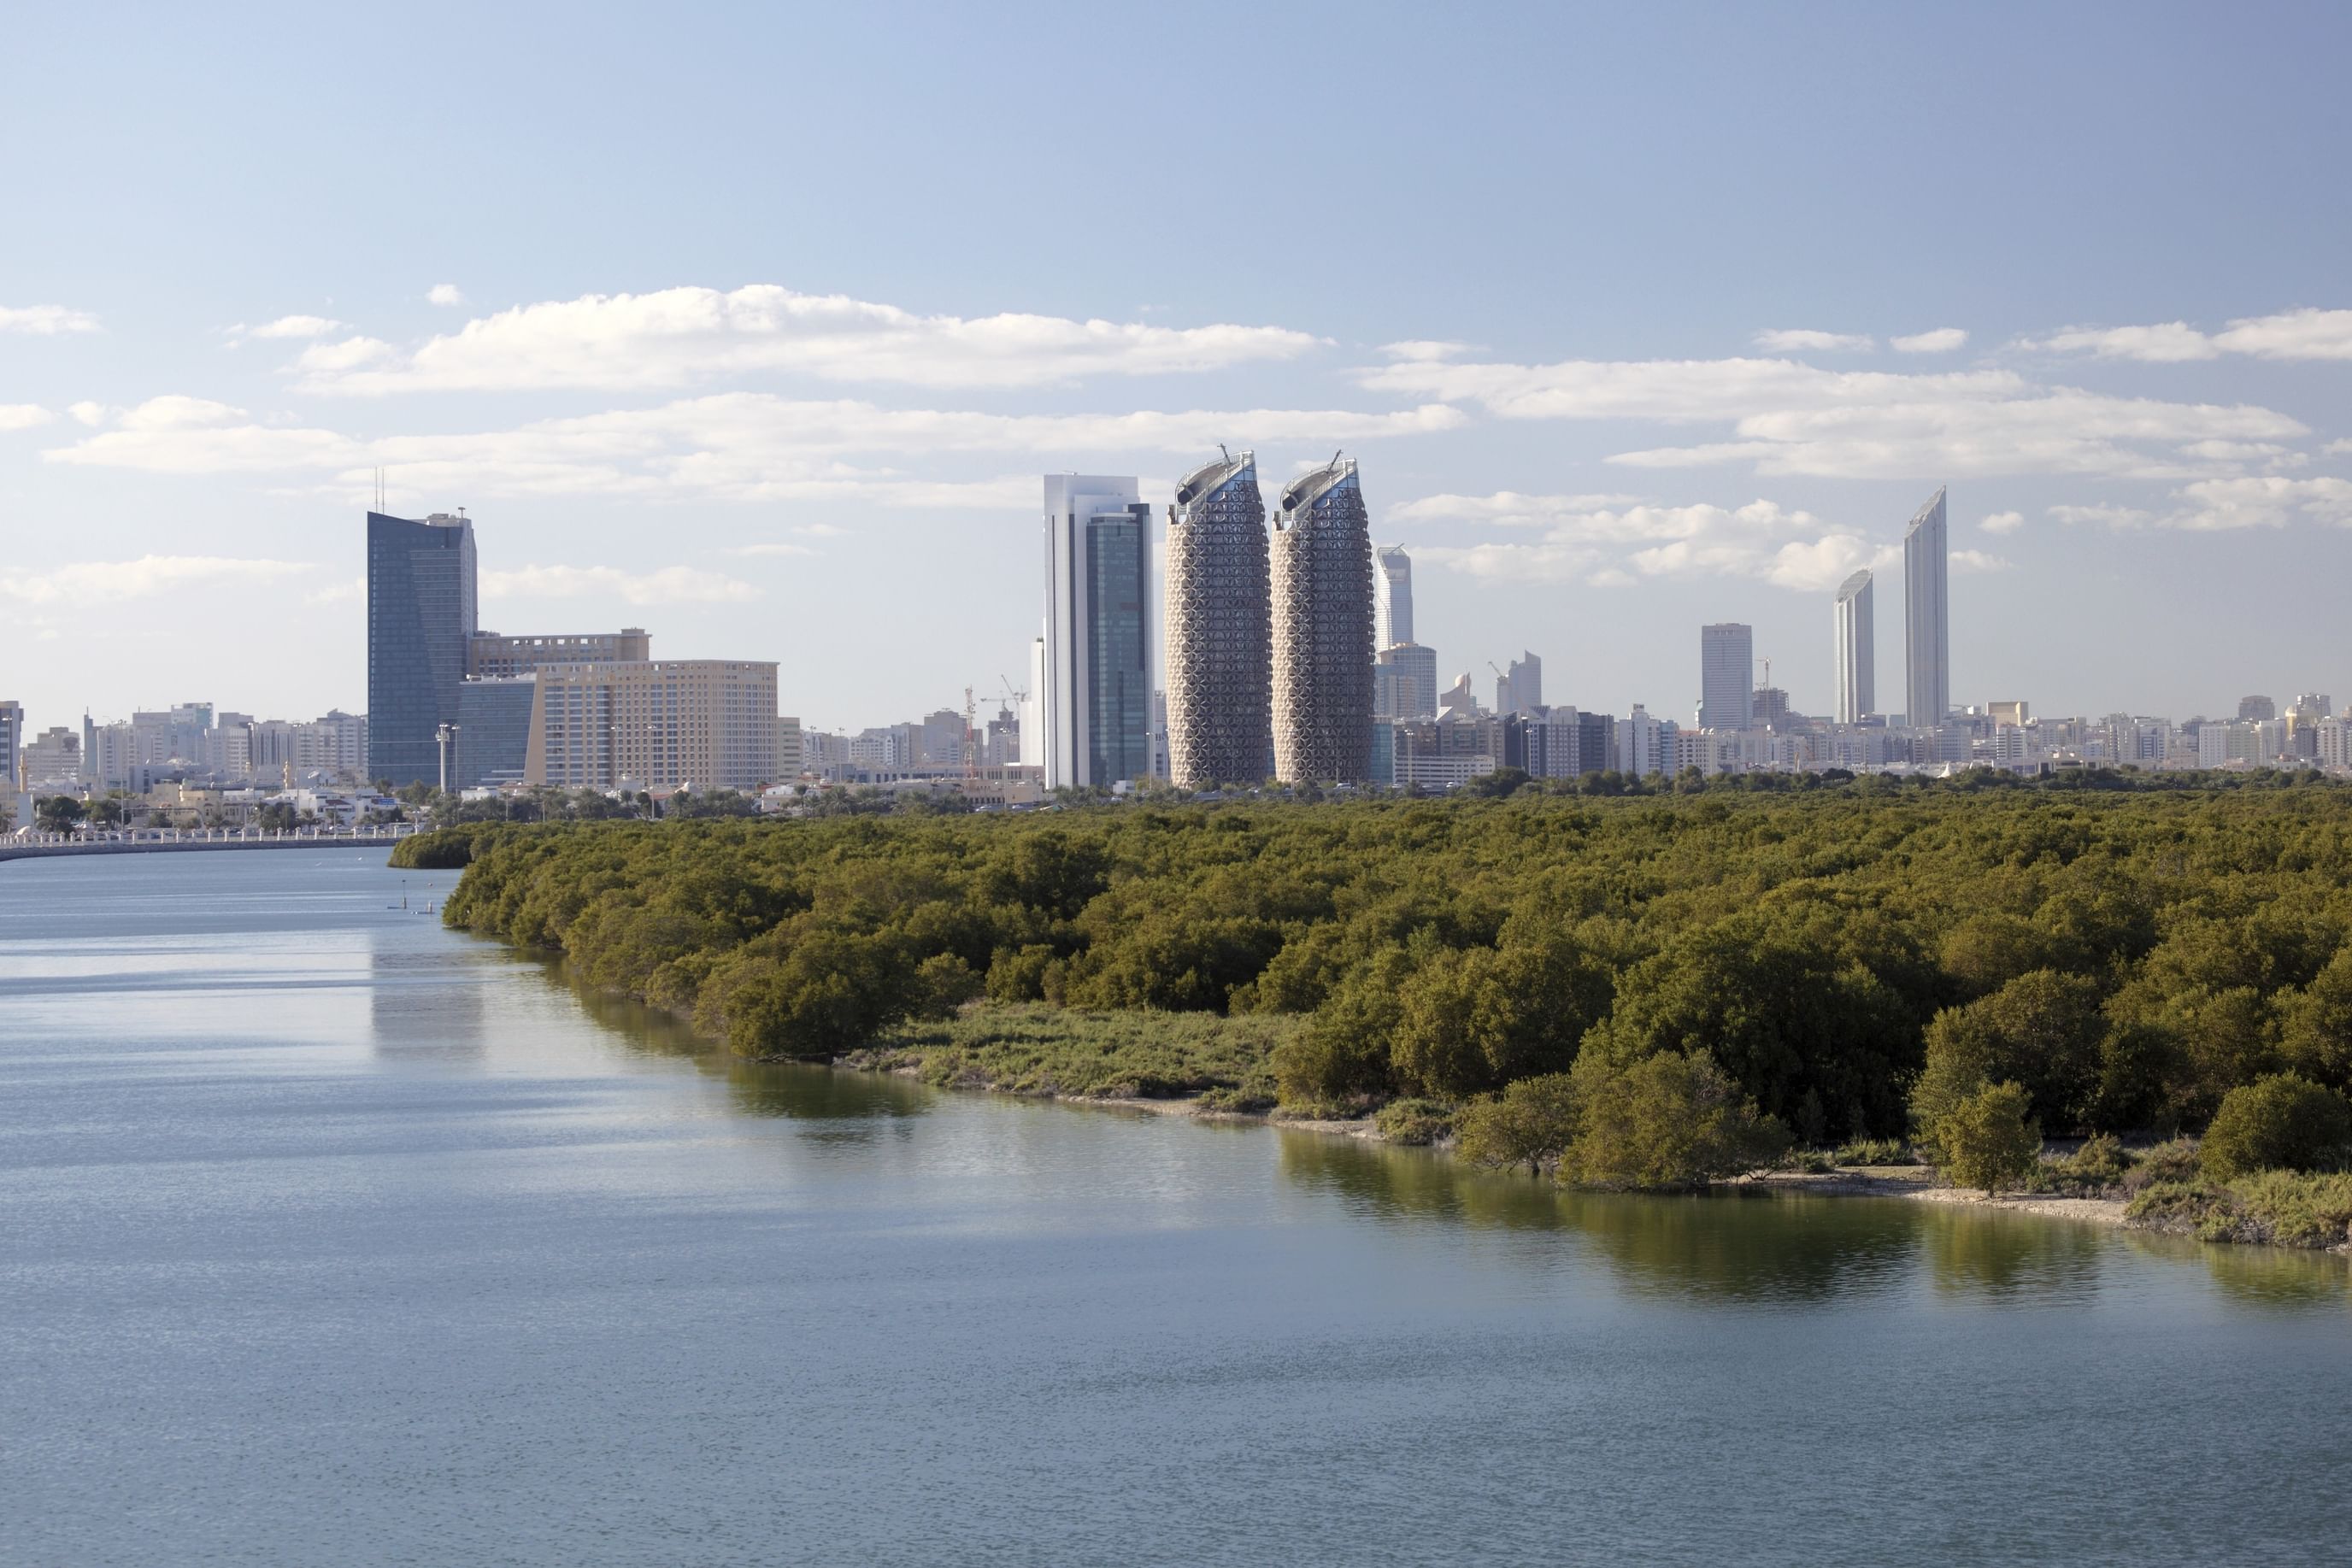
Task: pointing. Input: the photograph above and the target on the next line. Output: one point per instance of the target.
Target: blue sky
(757, 327)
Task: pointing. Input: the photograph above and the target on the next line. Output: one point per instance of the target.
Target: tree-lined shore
(1625, 991)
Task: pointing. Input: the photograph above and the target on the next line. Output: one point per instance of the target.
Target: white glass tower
(1927, 619)
(1856, 650)
(1392, 596)
(1098, 687)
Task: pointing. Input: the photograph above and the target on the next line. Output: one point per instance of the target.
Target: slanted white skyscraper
(1323, 629)
(1856, 650)
(1097, 685)
(1392, 596)
(1219, 625)
(1926, 619)
(1519, 689)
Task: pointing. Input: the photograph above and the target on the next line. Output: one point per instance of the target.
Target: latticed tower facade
(1323, 629)
(1219, 693)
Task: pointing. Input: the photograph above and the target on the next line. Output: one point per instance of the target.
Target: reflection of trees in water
(422, 1004)
(1749, 1247)
(850, 1106)
(2014, 1259)
(2280, 1277)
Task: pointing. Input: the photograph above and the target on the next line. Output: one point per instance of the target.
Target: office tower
(1392, 596)
(12, 740)
(1032, 708)
(2317, 702)
(2256, 710)
(1855, 650)
(1643, 744)
(53, 757)
(656, 724)
(421, 617)
(1926, 619)
(1219, 628)
(1323, 628)
(489, 656)
(1768, 708)
(493, 731)
(1727, 664)
(1404, 681)
(1097, 684)
(789, 755)
(1519, 689)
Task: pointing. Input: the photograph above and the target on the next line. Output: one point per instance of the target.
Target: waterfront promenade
(177, 841)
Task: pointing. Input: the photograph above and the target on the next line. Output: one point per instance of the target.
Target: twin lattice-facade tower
(1269, 639)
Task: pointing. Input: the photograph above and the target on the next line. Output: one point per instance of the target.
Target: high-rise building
(1926, 619)
(1519, 689)
(493, 731)
(53, 757)
(656, 724)
(1219, 628)
(12, 740)
(1392, 596)
(1404, 681)
(421, 618)
(1727, 679)
(2256, 710)
(1098, 684)
(489, 656)
(790, 760)
(1855, 644)
(1323, 628)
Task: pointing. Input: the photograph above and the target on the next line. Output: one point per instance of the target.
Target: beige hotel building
(653, 724)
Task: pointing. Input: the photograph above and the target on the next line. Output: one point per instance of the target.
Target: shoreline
(1912, 1183)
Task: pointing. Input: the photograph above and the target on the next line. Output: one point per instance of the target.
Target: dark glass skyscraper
(1097, 685)
(421, 613)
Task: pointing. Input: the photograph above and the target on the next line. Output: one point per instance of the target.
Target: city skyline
(756, 421)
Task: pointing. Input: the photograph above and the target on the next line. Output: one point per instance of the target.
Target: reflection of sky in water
(402, 1249)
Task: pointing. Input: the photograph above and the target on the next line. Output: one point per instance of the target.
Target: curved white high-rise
(1392, 596)
(1219, 625)
(1323, 629)
(1856, 649)
(1926, 619)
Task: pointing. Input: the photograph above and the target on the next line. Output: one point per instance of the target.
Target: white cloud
(821, 530)
(91, 414)
(1941, 340)
(445, 294)
(1791, 418)
(23, 415)
(2226, 505)
(2337, 448)
(87, 582)
(344, 592)
(2308, 333)
(679, 336)
(350, 356)
(1800, 339)
(1969, 561)
(742, 446)
(296, 327)
(1762, 539)
(2003, 522)
(1426, 348)
(669, 585)
(771, 549)
(46, 320)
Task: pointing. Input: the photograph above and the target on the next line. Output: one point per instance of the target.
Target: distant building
(2018, 713)
(421, 617)
(1926, 618)
(2256, 709)
(12, 741)
(1855, 645)
(494, 731)
(1645, 744)
(1392, 596)
(789, 762)
(1768, 710)
(1404, 681)
(1097, 685)
(1218, 627)
(1322, 552)
(52, 757)
(659, 724)
(1726, 674)
(490, 656)
(1519, 689)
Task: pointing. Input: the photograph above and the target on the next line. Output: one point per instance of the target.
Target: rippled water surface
(330, 1236)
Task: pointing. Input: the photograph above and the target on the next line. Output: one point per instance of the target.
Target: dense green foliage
(2127, 958)
(1988, 1139)
(1032, 1049)
(1664, 1120)
(2287, 1209)
(2280, 1122)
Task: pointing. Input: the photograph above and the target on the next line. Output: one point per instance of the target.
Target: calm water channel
(330, 1236)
